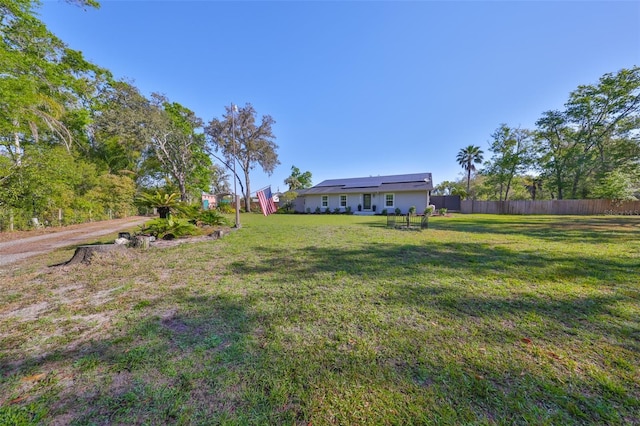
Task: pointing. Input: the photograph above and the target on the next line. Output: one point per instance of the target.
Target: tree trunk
(163, 212)
(84, 254)
(247, 197)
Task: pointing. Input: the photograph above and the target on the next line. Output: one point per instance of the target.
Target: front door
(366, 201)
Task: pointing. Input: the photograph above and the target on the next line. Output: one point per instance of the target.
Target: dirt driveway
(15, 246)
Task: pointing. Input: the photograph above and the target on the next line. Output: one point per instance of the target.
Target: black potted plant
(359, 207)
(374, 208)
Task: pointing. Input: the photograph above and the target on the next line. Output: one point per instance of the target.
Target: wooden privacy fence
(555, 207)
(449, 202)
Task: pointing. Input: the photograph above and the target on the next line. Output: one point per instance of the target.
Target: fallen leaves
(34, 378)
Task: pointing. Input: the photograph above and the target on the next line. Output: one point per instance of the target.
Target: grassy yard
(323, 319)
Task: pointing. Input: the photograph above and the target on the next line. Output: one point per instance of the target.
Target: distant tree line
(76, 144)
(590, 149)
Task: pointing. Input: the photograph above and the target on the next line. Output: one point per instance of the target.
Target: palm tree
(467, 157)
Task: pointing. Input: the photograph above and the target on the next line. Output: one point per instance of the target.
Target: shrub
(412, 210)
(167, 228)
(225, 208)
(336, 210)
(308, 210)
(318, 211)
(384, 212)
(442, 211)
(429, 210)
(347, 210)
(165, 203)
(327, 210)
(211, 217)
(398, 211)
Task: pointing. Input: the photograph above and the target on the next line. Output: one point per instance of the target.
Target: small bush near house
(429, 210)
(412, 210)
(398, 211)
(442, 211)
(318, 211)
(308, 210)
(336, 210)
(347, 210)
(384, 212)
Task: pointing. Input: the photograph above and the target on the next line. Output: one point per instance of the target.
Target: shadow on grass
(183, 365)
(441, 280)
(588, 229)
(438, 259)
(276, 355)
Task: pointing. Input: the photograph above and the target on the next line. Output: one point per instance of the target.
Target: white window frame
(343, 204)
(324, 201)
(393, 200)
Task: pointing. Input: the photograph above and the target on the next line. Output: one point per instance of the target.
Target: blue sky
(360, 88)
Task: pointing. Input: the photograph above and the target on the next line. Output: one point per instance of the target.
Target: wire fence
(408, 221)
(20, 220)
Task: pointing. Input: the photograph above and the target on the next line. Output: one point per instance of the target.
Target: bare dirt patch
(16, 246)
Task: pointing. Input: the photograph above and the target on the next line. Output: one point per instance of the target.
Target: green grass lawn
(328, 319)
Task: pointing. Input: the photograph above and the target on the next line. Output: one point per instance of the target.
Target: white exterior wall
(403, 200)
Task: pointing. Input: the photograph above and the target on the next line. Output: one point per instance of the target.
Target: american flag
(265, 198)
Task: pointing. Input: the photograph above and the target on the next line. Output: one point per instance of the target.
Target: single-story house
(367, 195)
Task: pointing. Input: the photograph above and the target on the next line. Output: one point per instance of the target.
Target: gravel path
(24, 245)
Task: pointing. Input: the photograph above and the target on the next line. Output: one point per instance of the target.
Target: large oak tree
(237, 137)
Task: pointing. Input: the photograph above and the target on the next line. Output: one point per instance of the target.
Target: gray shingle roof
(396, 183)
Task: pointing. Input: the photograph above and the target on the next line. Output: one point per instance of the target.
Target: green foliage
(429, 210)
(298, 180)
(225, 208)
(467, 158)
(595, 135)
(384, 212)
(180, 148)
(286, 199)
(169, 228)
(442, 211)
(448, 188)
(337, 320)
(398, 211)
(412, 210)
(165, 203)
(22, 415)
(616, 185)
(212, 218)
(512, 155)
(237, 137)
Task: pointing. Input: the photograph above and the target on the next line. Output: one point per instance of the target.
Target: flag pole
(234, 108)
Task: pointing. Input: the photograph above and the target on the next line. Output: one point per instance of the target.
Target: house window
(343, 201)
(388, 200)
(325, 201)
